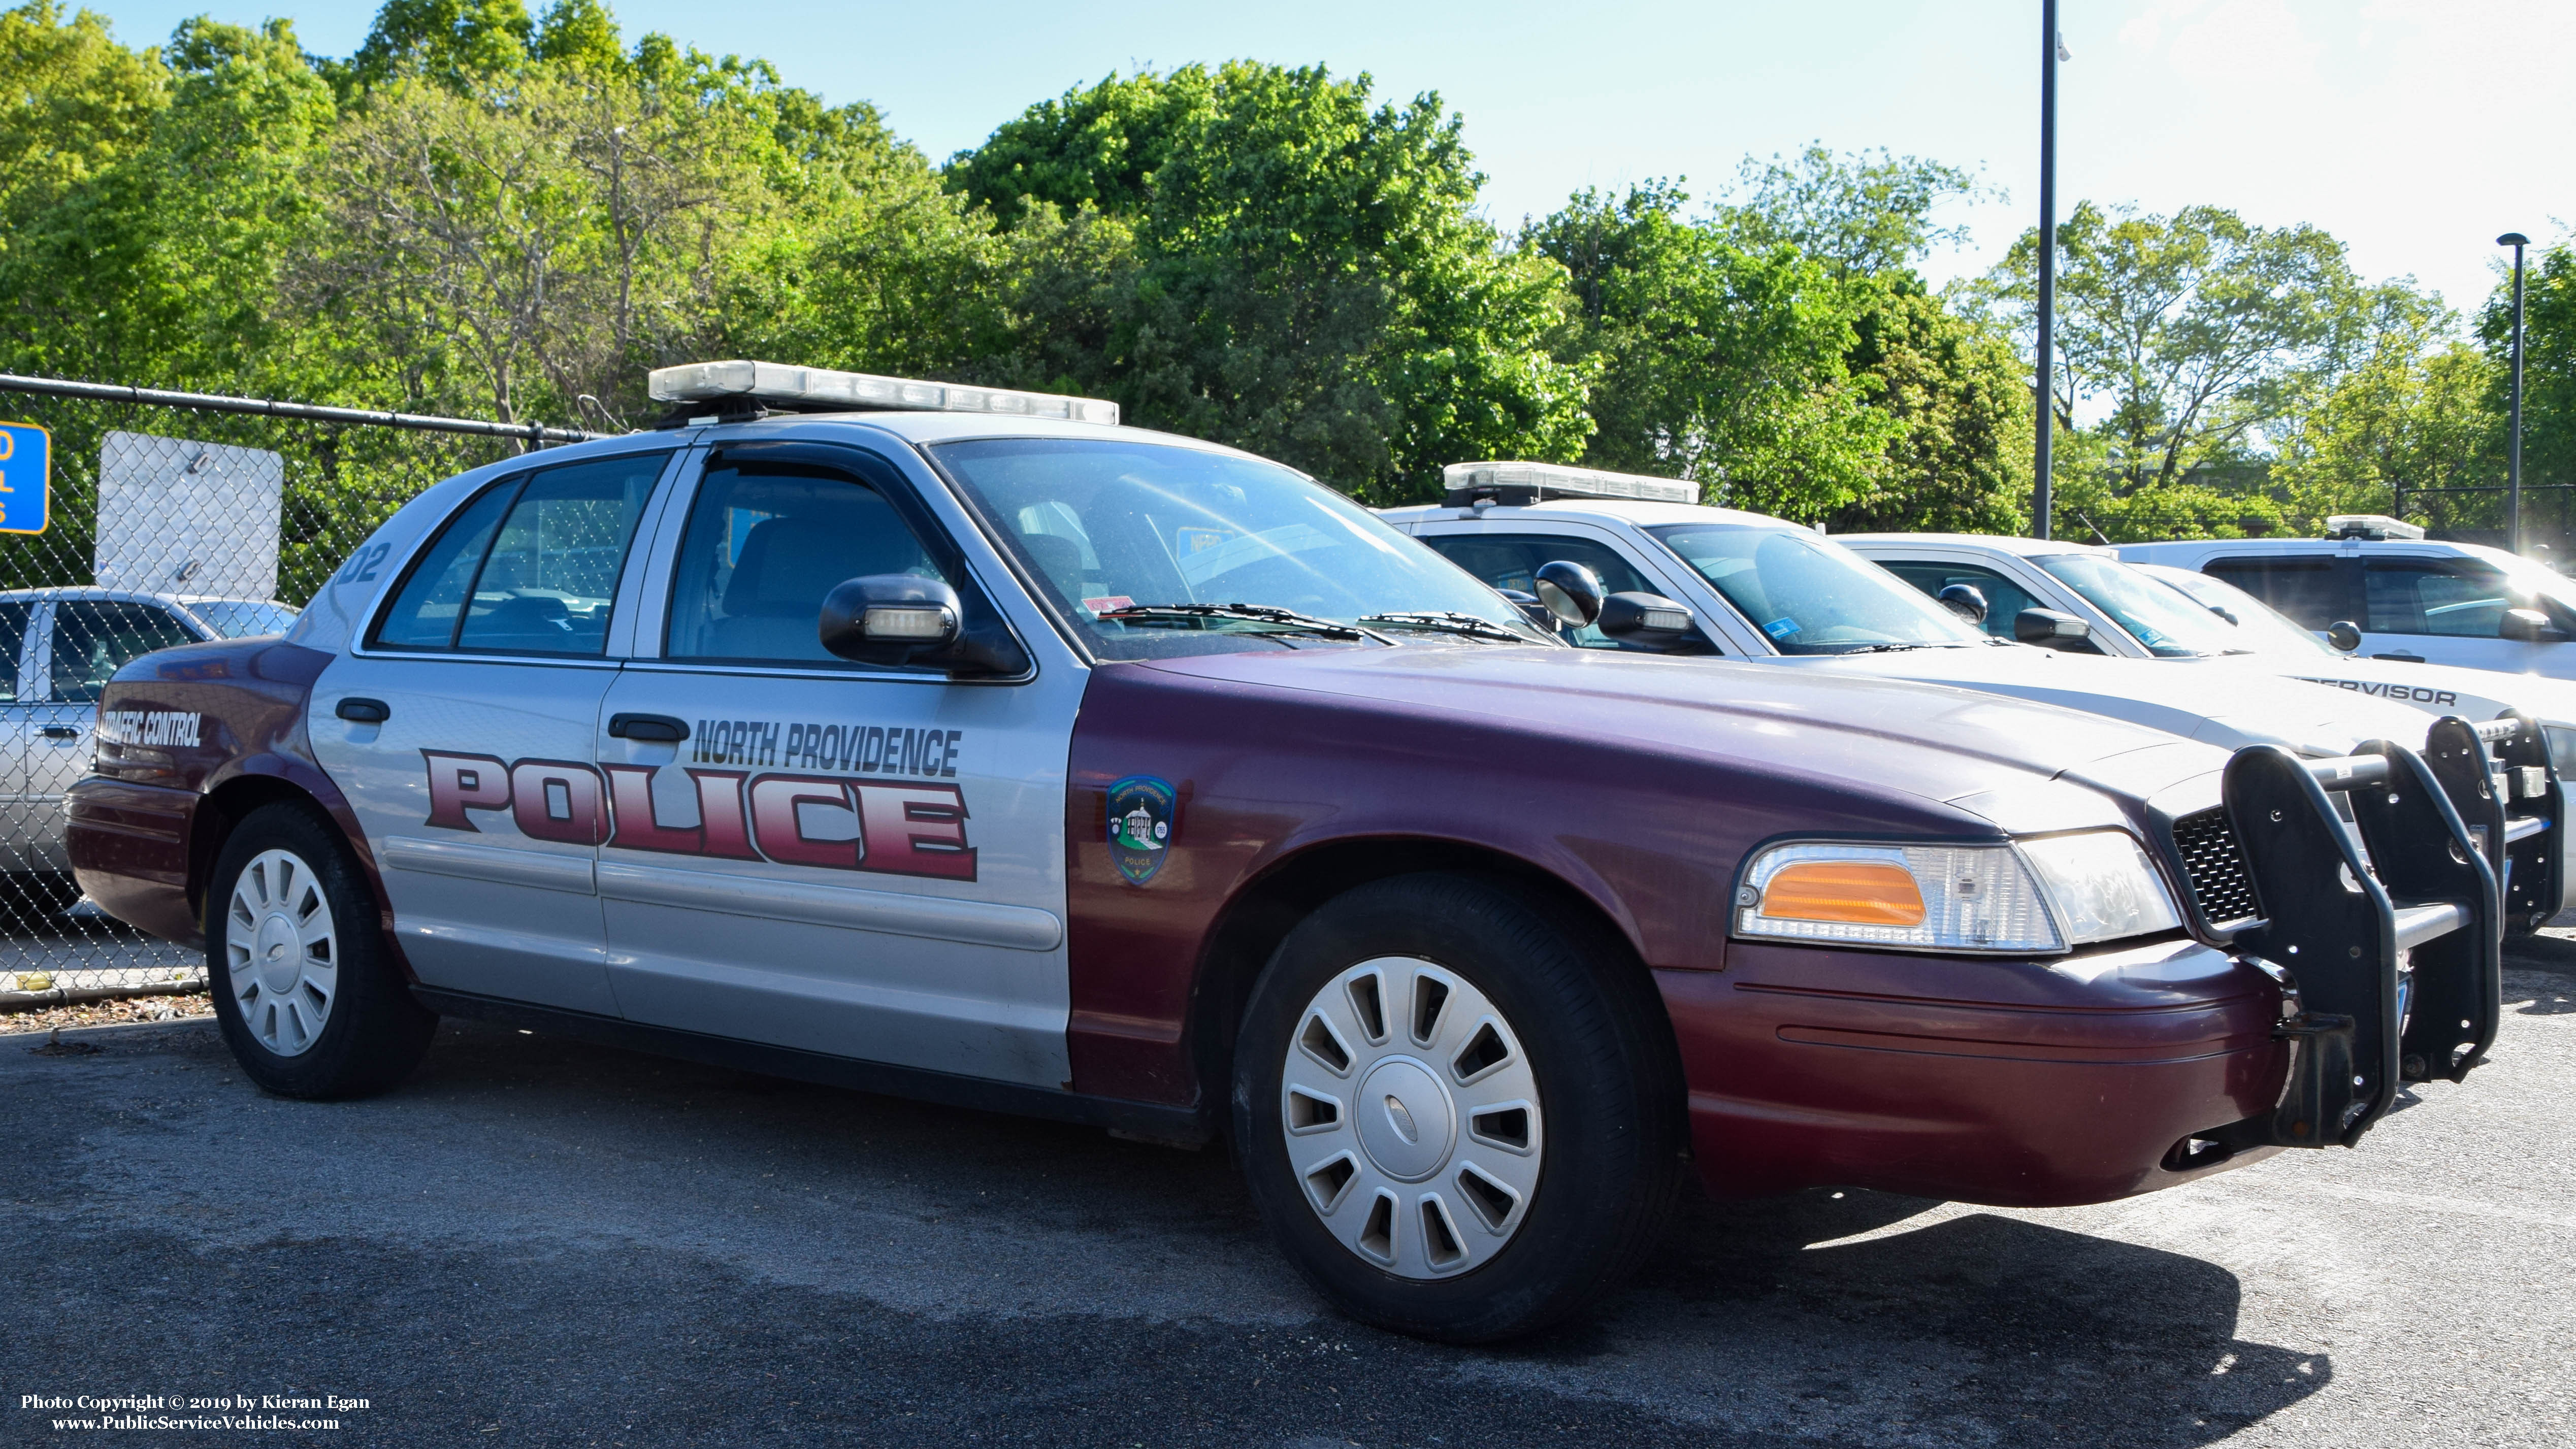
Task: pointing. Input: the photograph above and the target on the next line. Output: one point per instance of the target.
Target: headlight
(2101, 886)
(2037, 897)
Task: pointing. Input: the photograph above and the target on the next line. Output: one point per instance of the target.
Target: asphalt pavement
(541, 1242)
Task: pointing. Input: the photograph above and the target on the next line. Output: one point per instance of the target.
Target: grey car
(58, 648)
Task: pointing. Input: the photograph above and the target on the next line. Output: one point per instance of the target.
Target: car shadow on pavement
(1835, 1318)
(2538, 993)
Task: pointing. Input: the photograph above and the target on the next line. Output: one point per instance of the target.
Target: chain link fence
(172, 517)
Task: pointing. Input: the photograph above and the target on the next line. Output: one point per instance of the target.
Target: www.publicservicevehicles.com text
(191, 1411)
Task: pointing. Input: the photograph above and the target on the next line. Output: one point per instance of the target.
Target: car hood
(2215, 701)
(2008, 758)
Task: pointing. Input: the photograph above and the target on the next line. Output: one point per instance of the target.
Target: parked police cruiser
(960, 743)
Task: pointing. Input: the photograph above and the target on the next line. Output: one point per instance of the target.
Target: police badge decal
(1140, 826)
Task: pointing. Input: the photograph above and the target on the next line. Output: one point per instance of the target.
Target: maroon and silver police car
(963, 744)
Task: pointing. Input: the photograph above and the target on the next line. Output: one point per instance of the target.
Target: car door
(1510, 556)
(18, 726)
(2446, 610)
(858, 860)
(85, 642)
(459, 727)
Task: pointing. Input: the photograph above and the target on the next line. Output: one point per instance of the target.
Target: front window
(1154, 550)
(2171, 626)
(766, 544)
(1810, 595)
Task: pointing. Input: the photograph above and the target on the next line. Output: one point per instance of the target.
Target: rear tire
(1459, 1110)
(304, 988)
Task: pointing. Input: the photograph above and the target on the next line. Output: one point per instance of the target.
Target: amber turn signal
(1860, 892)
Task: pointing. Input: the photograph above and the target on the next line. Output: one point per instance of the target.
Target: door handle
(363, 711)
(2401, 658)
(659, 729)
(61, 732)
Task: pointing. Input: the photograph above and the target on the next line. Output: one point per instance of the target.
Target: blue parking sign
(26, 478)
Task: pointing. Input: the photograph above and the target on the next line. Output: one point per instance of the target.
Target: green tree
(2548, 366)
(1959, 396)
(1715, 364)
(1859, 215)
(1288, 268)
(2196, 332)
(2412, 412)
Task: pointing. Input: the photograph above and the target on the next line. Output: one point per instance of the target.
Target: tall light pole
(2049, 52)
(2513, 445)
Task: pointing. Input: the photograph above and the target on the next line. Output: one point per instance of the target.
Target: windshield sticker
(1781, 628)
(1107, 602)
(1141, 811)
(825, 821)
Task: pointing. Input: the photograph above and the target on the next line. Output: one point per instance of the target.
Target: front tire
(1458, 1110)
(305, 991)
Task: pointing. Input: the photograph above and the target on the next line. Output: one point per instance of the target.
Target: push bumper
(2390, 972)
(2109, 1073)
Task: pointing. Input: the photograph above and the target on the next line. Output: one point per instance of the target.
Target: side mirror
(1529, 606)
(1648, 619)
(1965, 600)
(2530, 626)
(2344, 634)
(906, 619)
(1572, 592)
(2050, 629)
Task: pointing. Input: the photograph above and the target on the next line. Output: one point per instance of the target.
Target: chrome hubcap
(1412, 1118)
(282, 953)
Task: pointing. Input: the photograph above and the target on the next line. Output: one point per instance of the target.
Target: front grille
(2220, 883)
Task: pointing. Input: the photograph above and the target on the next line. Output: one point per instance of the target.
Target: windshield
(1124, 536)
(242, 618)
(1809, 594)
(2260, 627)
(2171, 626)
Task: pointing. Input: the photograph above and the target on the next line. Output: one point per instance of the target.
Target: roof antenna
(2098, 536)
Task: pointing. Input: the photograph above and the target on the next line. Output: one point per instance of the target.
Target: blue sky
(2416, 130)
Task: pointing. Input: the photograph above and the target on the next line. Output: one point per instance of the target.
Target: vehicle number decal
(363, 565)
(824, 821)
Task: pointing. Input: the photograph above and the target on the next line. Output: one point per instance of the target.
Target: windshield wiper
(1285, 621)
(1450, 621)
(1894, 648)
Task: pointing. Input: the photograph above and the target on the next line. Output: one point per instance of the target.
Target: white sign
(183, 517)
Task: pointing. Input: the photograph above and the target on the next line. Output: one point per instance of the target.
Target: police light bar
(1464, 485)
(819, 389)
(2369, 525)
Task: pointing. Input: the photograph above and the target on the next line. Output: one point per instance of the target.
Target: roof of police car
(1994, 542)
(947, 427)
(1643, 515)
